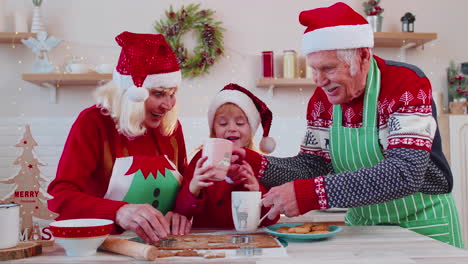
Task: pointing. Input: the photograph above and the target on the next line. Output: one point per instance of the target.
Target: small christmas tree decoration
(40, 47)
(37, 25)
(457, 89)
(457, 83)
(27, 190)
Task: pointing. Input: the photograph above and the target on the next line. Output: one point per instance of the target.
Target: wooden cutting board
(22, 250)
(217, 241)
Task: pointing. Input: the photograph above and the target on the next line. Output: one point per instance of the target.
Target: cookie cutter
(167, 242)
(241, 239)
(249, 251)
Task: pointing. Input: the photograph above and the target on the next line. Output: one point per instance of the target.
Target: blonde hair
(229, 107)
(129, 115)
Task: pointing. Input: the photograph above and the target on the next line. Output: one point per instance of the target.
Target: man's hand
(180, 225)
(282, 200)
(143, 219)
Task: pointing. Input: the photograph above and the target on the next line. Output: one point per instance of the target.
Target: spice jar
(309, 72)
(268, 64)
(289, 64)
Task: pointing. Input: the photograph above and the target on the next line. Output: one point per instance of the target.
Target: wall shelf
(57, 80)
(282, 82)
(15, 37)
(400, 39)
(271, 83)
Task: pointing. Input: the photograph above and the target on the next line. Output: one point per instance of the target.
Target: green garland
(209, 46)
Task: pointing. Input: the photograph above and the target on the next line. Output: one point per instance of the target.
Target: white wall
(88, 28)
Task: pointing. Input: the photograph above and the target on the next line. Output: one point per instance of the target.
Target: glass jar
(268, 64)
(289, 64)
(309, 72)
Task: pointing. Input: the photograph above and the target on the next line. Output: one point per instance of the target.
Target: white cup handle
(263, 218)
(67, 68)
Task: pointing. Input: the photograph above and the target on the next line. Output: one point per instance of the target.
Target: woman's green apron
(145, 179)
(354, 148)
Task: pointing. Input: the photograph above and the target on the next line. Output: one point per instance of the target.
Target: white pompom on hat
(335, 27)
(146, 61)
(255, 109)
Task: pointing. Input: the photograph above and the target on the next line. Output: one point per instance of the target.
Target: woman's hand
(143, 219)
(201, 177)
(248, 178)
(180, 225)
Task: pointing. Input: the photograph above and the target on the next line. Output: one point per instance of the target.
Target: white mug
(10, 225)
(246, 209)
(104, 68)
(77, 68)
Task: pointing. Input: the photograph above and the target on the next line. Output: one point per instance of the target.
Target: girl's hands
(201, 177)
(247, 177)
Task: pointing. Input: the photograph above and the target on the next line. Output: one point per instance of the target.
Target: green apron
(353, 148)
(145, 179)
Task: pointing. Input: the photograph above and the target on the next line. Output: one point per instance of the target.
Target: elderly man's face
(334, 76)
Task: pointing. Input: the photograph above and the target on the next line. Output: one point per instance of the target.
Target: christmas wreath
(209, 46)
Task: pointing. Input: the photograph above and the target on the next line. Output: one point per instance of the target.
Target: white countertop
(357, 244)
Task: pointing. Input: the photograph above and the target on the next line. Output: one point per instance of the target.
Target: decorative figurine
(37, 25)
(407, 22)
(40, 47)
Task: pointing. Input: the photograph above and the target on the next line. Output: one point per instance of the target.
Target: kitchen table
(356, 244)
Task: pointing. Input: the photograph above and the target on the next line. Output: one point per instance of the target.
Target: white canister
(2, 17)
(10, 225)
(21, 23)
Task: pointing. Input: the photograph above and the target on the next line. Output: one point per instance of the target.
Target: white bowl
(81, 237)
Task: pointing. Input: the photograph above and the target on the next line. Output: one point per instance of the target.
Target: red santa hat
(255, 109)
(146, 61)
(335, 27)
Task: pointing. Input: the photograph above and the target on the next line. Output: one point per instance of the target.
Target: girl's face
(231, 123)
(159, 102)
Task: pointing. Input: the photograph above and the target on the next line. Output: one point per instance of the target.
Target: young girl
(234, 114)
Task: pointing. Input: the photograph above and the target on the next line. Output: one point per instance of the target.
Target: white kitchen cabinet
(454, 133)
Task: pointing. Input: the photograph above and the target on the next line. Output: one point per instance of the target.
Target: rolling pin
(130, 248)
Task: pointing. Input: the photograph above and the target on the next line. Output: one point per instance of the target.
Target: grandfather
(372, 143)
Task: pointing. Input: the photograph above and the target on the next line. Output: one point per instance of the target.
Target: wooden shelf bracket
(403, 50)
(52, 91)
(270, 93)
